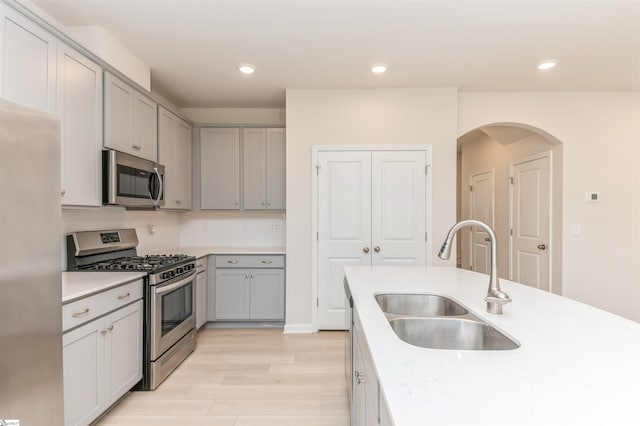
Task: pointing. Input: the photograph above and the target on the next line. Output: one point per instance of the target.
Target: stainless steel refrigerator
(30, 267)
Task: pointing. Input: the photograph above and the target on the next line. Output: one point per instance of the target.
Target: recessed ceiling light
(378, 68)
(246, 68)
(547, 65)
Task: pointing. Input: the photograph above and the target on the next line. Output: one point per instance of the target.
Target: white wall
(232, 229)
(601, 150)
(360, 117)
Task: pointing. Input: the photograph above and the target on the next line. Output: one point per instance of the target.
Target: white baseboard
(298, 328)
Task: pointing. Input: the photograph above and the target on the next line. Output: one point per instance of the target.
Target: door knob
(487, 239)
(542, 246)
(366, 249)
(376, 249)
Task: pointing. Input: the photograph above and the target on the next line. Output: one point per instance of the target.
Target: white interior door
(398, 200)
(481, 208)
(530, 212)
(344, 228)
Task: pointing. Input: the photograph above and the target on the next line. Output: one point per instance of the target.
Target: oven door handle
(172, 286)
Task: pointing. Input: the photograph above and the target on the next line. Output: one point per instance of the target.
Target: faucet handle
(495, 300)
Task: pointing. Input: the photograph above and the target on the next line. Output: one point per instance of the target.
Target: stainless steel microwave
(131, 181)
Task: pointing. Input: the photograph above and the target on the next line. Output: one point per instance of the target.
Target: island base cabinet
(102, 360)
(369, 408)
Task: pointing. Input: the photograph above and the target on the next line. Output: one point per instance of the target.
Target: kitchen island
(576, 364)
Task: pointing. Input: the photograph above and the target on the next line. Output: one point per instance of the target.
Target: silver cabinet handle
(359, 377)
(542, 246)
(366, 249)
(199, 265)
(267, 262)
(136, 147)
(124, 296)
(81, 313)
(376, 249)
(233, 262)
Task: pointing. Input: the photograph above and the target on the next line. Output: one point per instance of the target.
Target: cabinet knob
(136, 147)
(376, 249)
(366, 249)
(103, 331)
(110, 327)
(178, 202)
(542, 246)
(487, 239)
(63, 192)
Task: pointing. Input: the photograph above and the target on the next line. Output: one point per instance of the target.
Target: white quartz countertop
(205, 251)
(577, 365)
(77, 285)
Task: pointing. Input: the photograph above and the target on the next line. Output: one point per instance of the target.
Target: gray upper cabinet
(79, 106)
(131, 119)
(255, 183)
(28, 62)
(174, 153)
(264, 169)
(220, 169)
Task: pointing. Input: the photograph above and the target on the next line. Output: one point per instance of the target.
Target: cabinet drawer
(250, 261)
(201, 264)
(89, 308)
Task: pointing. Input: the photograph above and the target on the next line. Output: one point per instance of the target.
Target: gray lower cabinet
(369, 407)
(249, 288)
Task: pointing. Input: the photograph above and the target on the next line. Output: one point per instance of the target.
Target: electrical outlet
(275, 227)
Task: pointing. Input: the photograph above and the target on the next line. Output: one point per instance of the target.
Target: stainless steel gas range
(169, 295)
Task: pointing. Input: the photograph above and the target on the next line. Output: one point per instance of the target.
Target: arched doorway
(510, 176)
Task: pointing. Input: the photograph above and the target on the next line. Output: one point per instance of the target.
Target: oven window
(176, 307)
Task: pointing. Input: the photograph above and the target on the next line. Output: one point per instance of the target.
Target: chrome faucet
(495, 297)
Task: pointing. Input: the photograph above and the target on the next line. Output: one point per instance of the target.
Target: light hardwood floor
(246, 377)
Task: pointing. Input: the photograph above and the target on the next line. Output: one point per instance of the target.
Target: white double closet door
(371, 211)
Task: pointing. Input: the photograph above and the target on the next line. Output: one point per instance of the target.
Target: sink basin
(450, 333)
(419, 305)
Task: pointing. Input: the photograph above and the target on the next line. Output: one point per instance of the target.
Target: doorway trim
(315, 150)
(549, 156)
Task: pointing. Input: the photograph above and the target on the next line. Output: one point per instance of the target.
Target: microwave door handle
(156, 200)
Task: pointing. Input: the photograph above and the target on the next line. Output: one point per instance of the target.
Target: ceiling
(194, 46)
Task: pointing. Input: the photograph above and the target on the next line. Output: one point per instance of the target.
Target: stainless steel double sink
(438, 322)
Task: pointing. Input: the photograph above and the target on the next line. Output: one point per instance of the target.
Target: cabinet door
(359, 398)
(118, 115)
(201, 299)
(145, 128)
(183, 162)
(79, 106)
(27, 62)
(83, 367)
(174, 153)
(276, 169)
(255, 169)
(232, 294)
(267, 294)
(220, 169)
(123, 352)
